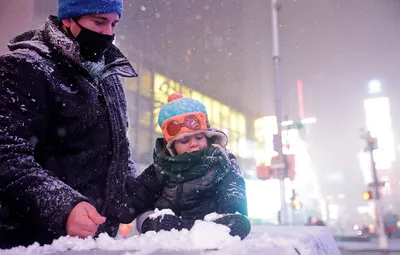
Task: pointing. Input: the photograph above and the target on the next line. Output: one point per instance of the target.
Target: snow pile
(73, 243)
(60, 245)
(209, 235)
(204, 235)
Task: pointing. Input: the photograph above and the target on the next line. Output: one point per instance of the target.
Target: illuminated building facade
(305, 180)
(147, 94)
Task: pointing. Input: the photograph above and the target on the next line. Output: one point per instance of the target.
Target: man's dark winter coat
(63, 137)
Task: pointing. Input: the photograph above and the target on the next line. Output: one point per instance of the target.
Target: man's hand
(84, 220)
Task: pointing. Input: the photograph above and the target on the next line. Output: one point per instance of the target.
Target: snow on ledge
(203, 236)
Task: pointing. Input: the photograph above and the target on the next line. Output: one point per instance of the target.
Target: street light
(275, 7)
(374, 86)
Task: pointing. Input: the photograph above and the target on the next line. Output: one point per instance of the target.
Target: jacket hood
(51, 38)
(29, 40)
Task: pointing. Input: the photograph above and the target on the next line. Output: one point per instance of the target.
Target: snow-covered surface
(161, 213)
(204, 238)
(393, 245)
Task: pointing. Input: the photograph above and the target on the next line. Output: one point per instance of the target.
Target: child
(193, 175)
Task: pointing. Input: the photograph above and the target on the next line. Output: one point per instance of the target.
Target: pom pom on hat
(174, 96)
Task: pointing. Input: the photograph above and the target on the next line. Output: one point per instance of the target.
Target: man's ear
(66, 23)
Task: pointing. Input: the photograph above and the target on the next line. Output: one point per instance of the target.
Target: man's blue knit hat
(76, 8)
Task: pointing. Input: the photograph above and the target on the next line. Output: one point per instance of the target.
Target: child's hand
(84, 220)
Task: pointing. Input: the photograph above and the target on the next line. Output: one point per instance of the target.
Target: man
(64, 152)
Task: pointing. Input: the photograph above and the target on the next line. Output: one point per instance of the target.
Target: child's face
(191, 143)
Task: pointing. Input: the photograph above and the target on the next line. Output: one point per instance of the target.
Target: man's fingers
(95, 216)
(98, 219)
(88, 225)
(84, 220)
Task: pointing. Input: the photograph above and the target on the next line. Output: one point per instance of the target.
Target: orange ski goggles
(186, 123)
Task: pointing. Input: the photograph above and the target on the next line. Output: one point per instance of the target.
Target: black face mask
(92, 44)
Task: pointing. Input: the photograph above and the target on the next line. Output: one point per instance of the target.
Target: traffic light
(367, 195)
(297, 205)
(293, 197)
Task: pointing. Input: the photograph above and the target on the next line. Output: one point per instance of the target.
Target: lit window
(216, 113)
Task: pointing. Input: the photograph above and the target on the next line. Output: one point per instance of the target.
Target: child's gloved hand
(239, 224)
